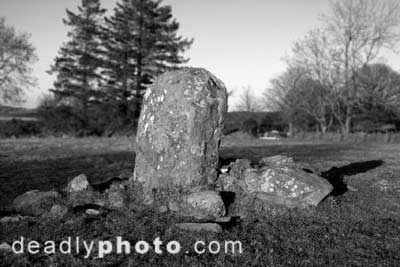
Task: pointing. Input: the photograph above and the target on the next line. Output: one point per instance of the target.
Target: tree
(353, 35)
(142, 42)
(280, 96)
(248, 101)
(379, 92)
(78, 64)
(16, 57)
(358, 30)
(299, 97)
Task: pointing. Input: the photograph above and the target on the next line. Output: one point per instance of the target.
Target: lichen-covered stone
(58, 211)
(115, 196)
(204, 205)
(179, 132)
(276, 182)
(85, 197)
(277, 160)
(34, 202)
(78, 183)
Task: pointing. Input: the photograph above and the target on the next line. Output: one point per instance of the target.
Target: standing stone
(179, 132)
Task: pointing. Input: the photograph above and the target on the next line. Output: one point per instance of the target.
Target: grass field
(356, 228)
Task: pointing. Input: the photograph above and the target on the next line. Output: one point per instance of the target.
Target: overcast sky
(241, 41)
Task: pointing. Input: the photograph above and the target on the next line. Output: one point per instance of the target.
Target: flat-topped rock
(275, 182)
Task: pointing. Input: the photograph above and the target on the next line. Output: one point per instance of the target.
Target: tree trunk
(290, 132)
(323, 128)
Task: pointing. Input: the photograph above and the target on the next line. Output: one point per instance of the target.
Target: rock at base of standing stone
(58, 211)
(116, 196)
(276, 182)
(85, 197)
(204, 205)
(78, 183)
(179, 132)
(34, 202)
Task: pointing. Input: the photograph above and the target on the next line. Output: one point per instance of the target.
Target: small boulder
(82, 198)
(5, 247)
(92, 212)
(162, 209)
(204, 205)
(34, 202)
(77, 184)
(115, 196)
(286, 181)
(58, 211)
(200, 227)
(173, 206)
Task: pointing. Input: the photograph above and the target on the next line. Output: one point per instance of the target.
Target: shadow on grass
(336, 175)
(17, 177)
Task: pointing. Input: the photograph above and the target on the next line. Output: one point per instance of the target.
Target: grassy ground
(357, 228)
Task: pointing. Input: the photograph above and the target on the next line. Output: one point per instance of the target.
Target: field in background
(47, 163)
(359, 228)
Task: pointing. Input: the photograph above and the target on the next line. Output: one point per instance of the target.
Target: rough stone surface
(115, 196)
(85, 197)
(276, 181)
(204, 205)
(79, 183)
(58, 211)
(92, 212)
(162, 209)
(34, 202)
(277, 160)
(200, 227)
(179, 132)
(5, 247)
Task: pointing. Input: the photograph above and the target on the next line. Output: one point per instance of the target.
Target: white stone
(79, 183)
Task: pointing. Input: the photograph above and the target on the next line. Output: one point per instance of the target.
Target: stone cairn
(177, 166)
(177, 160)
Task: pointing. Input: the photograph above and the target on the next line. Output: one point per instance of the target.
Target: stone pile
(79, 195)
(177, 159)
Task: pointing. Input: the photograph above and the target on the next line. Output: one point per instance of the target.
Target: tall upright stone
(179, 133)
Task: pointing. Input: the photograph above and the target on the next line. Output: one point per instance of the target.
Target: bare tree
(248, 101)
(359, 30)
(353, 35)
(295, 93)
(281, 96)
(16, 56)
